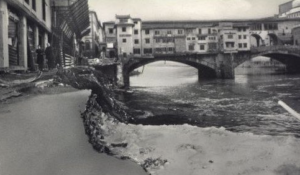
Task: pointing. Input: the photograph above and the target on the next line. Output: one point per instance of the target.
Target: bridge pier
(225, 68)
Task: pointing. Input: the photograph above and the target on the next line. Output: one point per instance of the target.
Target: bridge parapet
(295, 50)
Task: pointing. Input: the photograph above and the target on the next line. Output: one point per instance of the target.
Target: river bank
(44, 134)
(181, 149)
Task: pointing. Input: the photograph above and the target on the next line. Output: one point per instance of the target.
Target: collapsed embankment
(181, 149)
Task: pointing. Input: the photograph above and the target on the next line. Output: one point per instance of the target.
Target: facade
(110, 33)
(25, 25)
(93, 42)
(137, 38)
(290, 9)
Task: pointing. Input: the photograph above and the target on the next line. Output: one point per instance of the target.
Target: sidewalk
(14, 84)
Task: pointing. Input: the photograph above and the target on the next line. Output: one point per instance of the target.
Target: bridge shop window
(191, 47)
(148, 51)
(200, 31)
(136, 32)
(147, 32)
(229, 44)
(202, 38)
(202, 47)
(147, 40)
(171, 49)
(136, 51)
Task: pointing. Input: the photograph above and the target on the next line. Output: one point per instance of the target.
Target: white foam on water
(206, 151)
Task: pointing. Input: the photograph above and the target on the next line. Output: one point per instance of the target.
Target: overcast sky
(185, 9)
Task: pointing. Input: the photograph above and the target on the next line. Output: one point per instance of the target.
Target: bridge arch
(273, 39)
(205, 69)
(290, 60)
(256, 40)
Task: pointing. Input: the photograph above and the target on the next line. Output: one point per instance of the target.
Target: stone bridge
(217, 64)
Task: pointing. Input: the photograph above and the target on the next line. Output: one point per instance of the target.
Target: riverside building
(24, 25)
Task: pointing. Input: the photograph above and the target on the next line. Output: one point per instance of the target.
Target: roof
(208, 23)
(123, 16)
(136, 19)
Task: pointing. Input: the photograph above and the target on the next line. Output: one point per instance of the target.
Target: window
(157, 32)
(169, 32)
(245, 45)
(245, 36)
(147, 32)
(229, 44)
(111, 31)
(136, 41)
(27, 1)
(193, 38)
(212, 46)
(180, 32)
(209, 31)
(200, 31)
(191, 47)
(123, 20)
(202, 47)
(147, 41)
(188, 38)
(202, 38)
(87, 45)
(44, 10)
(136, 51)
(124, 40)
(230, 36)
(240, 36)
(157, 40)
(244, 29)
(148, 51)
(135, 22)
(240, 45)
(33, 5)
(157, 49)
(123, 29)
(136, 32)
(171, 49)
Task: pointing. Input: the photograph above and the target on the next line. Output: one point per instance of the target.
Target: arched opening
(166, 73)
(256, 40)
(273, 39)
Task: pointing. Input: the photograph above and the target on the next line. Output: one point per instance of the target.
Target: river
(246, 104)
